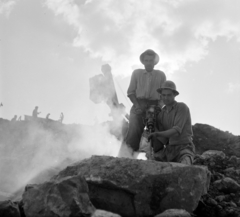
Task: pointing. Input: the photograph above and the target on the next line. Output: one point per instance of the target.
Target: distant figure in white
(35, 112)
(61, 118)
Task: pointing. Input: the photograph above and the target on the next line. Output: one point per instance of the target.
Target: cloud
(6, 6)
(233, 87)
(66, 8)
(119, 31)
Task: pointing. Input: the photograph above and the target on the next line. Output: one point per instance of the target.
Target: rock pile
(223, 198)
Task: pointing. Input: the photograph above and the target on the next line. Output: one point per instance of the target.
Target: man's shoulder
(136, 71)
(182, 105)
(159, 72)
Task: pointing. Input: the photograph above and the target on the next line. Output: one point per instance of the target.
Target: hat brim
(159, 90)
(156, 61)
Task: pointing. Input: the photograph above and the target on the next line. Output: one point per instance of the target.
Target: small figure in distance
(14, 118)
(47, 116)
(35, 112)
(61, 117)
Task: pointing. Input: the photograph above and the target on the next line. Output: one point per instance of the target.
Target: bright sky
(50, 48)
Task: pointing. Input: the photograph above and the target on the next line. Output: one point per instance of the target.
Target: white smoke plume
(32, 152)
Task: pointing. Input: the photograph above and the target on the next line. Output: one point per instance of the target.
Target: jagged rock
(140, 188)
(210, 153)
(221, 198)
(103, 213)
(224, 208)
(59, 198)
(211, 202)
(233, 159)
(227, 185)
(174, 213)
(9, 209)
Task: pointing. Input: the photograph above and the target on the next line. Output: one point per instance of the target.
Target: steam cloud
(32, 152)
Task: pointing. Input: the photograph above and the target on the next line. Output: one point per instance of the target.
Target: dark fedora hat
(149, 52)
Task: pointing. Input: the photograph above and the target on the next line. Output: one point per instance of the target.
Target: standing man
(175, 126)
(35, 112)
(142, 93)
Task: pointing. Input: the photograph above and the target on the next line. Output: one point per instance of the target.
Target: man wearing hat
(142, 93)
(174, 120)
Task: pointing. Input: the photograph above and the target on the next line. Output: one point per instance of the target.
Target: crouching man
(174, 125)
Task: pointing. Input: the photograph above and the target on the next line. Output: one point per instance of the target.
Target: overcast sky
(50, 48)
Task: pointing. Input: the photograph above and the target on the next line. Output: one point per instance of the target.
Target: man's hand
(151, 135)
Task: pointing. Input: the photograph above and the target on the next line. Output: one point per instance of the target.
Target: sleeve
(133, 85)
(163, 79)
(181, 118)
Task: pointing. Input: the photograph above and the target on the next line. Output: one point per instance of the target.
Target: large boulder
(64, 197)
(140, 188)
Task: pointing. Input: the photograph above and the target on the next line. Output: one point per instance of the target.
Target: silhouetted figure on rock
(47, 116)
(14, 118)
(35, 112)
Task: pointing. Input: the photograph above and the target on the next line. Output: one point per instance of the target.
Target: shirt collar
(145, 71)
(173, 106)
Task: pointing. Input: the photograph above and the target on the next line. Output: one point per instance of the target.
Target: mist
(33, 151)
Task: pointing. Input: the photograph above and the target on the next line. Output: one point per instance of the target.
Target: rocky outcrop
(9, 209)
(207, 137)
(223, 198)
(64, 197)
(140, 188)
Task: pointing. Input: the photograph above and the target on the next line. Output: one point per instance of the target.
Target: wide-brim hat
(170, 85)
(150, 52)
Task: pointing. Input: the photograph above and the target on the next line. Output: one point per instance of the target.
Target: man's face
(168, 96)
(148, 62)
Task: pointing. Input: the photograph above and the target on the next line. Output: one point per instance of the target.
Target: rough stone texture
(223, 196)
(227, 185)
(207, 137)
(140, 188)
(103, 213)
(9, 209)
(60, 198)
(208, 154)
(174, 213)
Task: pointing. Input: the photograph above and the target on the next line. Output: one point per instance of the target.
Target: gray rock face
(59, 198)
(103, 213)
(174, 213)
(9, 209)
(208, 154)
(140, 188)
(227, 185)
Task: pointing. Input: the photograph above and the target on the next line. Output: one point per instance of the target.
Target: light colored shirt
(178, 118)
(144, 84)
